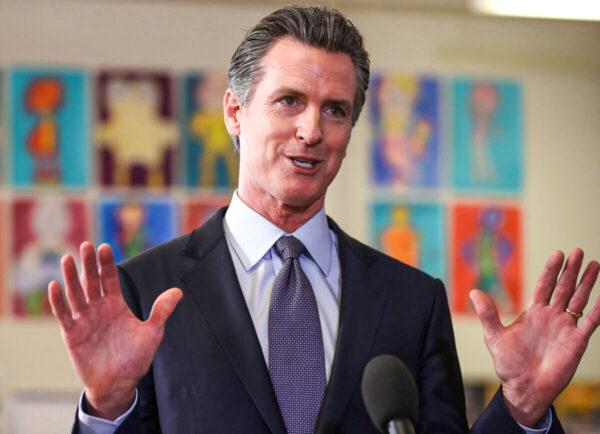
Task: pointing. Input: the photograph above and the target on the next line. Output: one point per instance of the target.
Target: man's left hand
(536, 356)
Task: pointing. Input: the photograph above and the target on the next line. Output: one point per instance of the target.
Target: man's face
(295, 129)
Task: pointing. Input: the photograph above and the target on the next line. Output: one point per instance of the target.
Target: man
(273, 311)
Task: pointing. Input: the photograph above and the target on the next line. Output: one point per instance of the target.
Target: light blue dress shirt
(251, 238)
(257, 262)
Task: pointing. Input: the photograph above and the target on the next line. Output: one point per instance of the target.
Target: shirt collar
(253, 235)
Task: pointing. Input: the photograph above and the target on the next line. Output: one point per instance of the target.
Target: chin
(300, 199)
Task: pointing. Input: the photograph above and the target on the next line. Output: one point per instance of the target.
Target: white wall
(557, 63)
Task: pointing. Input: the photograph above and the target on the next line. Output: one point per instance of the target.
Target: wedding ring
(573, 314)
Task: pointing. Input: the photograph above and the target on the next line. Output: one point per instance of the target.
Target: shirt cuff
(542, 427)
(95, 425)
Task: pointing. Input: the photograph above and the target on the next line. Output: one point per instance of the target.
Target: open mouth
(305, 164)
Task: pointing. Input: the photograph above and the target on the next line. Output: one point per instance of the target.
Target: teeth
(304, 164)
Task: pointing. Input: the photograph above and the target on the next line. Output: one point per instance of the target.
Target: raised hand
(110, 348)
(536, 356)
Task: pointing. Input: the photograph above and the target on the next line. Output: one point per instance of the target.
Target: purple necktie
(296, 357)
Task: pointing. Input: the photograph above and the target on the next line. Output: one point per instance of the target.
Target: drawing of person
(484, 101)
(135, 133)
(44, 97)
(487, 253)
(131, 236)
(207, 125)
(400, 240)
(404, 134)
(49, 223)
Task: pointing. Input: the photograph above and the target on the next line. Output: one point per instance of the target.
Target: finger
(590, 322)
(60, 310)
(568, 279)
(109, 276)
(164, 306)
(91, 278)
(582, 293)
(73, 289)
(488, 314)
(547, 280)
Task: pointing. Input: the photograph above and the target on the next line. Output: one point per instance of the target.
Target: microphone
(390, 395)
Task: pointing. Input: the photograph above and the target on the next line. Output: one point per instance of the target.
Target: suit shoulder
(408, 272)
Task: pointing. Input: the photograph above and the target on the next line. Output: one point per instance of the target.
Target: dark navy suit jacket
(209, 374)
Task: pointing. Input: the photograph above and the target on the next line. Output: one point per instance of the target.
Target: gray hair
(317, 26)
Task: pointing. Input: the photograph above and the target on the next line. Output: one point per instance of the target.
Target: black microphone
(390, 395)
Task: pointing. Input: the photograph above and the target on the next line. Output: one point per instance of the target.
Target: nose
(308, 129)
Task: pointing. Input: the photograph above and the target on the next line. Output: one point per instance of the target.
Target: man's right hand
(110, 348)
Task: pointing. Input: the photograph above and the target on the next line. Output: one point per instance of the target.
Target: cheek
(335, 161)
(341, 145)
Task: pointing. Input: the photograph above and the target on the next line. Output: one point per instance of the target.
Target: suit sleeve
(496, 419)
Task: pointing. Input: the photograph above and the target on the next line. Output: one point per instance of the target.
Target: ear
(231, 112)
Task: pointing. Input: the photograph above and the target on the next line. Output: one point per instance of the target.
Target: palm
(541, 338)
(110, 348)
(109, 342)
(536, 356)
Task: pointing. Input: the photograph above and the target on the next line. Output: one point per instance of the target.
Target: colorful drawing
(406, 143)
(136, 132)
(198, 210)
(49, 127)
(211, 159)
(487, 152)
(2, 132)
(578, 408)
(412, 233)
(132, 226)
(44, 230)
(486, 254)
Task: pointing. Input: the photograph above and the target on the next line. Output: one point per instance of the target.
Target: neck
(284, 216)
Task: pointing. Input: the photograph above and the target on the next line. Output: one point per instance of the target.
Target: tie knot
(289, 247)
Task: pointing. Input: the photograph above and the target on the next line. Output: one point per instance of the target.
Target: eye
(337, 111)
(289, 100)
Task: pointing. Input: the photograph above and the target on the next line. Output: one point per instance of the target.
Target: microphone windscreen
(389, 391)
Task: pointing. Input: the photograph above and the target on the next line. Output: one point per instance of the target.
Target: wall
(558, 64)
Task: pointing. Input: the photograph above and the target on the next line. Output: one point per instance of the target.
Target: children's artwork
(487, 138)
(197, 211)
(132, 226)
(486, 254)
(136, 132)
(2, 130)
(210, 157)
(44, 228)
(411, 233)
(406, 131)
(49, 130)
(578, 408)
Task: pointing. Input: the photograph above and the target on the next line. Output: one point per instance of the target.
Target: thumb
(487, 312)
(164, 306)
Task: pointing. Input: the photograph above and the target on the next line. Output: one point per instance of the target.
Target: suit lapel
(215, 289)
(219, 298)
(360, 313)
